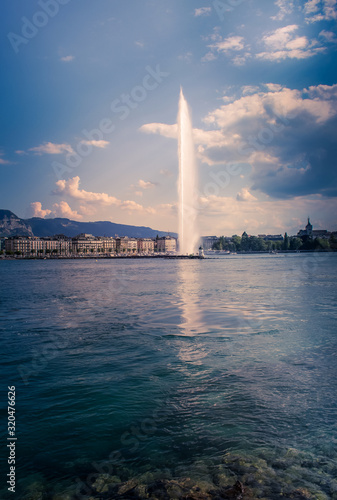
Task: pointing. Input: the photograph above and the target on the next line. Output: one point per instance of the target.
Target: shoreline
(208, 254)
(96, 257)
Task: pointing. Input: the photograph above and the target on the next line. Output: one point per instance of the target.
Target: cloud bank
(286, 135)
(89, 202)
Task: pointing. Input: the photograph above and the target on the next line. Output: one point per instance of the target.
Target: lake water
(161, 370)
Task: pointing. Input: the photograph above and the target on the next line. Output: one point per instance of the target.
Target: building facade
(108, 244)
(307, 231)
(126, 245)
(145, 245)
(87, 243)
(207, 242)
(166, 244)
(29, 245)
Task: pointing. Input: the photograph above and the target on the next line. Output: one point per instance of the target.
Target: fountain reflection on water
(192, 322)
(189, 298)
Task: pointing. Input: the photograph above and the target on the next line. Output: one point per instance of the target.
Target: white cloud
(329, 36)
(283, 43)
(71, 188)
(96, 144)
(300, 42)
(244, 108)
(249, 89)
(330, 10)
(132, 206)
(280, 37)
(62, 209)
(273, 87)
(37, 211)
(265, 107)
(51, 149)
(280, 55)
(241, 59)
(230, 43)
(145, 184)
(311, 6)
(170, 131)
(209, 137)
(251, 112)
(228, 46)
(140, 44)
(4, 162)
(202, 11)
(320, 10)
(210, 56)
(274, 131)
(286, 7)
(67, 58)
(245, 195)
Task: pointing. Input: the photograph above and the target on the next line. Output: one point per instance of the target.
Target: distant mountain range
(12, 225)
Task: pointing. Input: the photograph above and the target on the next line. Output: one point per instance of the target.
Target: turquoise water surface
(161, 370)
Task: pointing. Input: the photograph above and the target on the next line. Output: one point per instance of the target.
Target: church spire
(309, 228)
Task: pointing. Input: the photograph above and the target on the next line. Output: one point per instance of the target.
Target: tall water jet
(188, 182)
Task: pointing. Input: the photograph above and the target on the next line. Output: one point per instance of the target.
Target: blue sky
(89, 98)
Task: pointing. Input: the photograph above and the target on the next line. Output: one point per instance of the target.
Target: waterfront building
(132, 245)
(307, 231)
(321, 233)
(30, 245)
(145, 245)
(2, 243)
(207, 242)
(121, 244)
(85, 243)
(107, 244)
(166, 244)
(56, 244)
(126, 245)
(18, 244)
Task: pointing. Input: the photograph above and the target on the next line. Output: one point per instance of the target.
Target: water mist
(187, 183)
